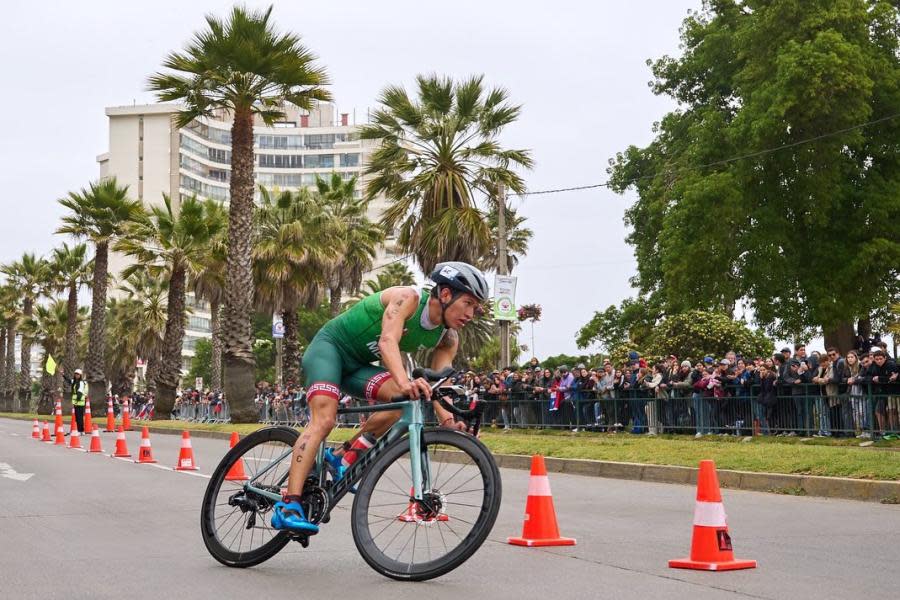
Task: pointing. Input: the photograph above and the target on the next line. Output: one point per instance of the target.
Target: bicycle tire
(215, 547)
(362, 536)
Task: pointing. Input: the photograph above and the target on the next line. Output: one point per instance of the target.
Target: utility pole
(502, 269)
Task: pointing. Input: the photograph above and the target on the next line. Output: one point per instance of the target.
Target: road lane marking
(10, 473)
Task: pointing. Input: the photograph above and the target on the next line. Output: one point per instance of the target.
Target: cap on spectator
(672, 356)
(537, 369)
(633, 355)
(725, 362)
(794, 362)
(495, 372)
(580, 366)
(686, 363)
(785, 349)
(708, 360)
(563, 369)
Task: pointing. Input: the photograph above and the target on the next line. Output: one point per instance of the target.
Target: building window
(319, 161)
(350, 160)
(198, 323)
(321, 141)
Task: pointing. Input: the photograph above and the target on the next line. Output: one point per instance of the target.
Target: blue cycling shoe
(290, 516)
(336, 466)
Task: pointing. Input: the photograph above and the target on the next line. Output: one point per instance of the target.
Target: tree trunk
(334, 298)
(25, 360)
(170, 368)
(153, 367)
(96, 357)
(215, 369)
(841, 337)
(9, 384)
(237, 333)
(3, 369)
(291, 355)
(45, 402)
(72, 332)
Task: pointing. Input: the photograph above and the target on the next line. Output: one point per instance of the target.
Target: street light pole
(502, 269)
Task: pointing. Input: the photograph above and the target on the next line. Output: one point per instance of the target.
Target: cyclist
(378, 327)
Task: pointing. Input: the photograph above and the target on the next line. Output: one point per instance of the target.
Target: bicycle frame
(412, 422)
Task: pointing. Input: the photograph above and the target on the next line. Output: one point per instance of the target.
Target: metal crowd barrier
(804, 414)
(203, 412)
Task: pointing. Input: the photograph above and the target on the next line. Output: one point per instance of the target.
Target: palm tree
(437, 154)
(27, 275)
(392, 274)
(172, 246)
(49, 327)
(139, 325)
(358, 238)
(98, 214)
(244, 66)
(296, 242)
(209, 284)
(9, 315)
(71, 269)
(517, 239)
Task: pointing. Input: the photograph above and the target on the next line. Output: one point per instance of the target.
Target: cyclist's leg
(374, 384)
(322, 364)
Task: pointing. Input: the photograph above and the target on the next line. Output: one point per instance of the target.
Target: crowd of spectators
(790, 393)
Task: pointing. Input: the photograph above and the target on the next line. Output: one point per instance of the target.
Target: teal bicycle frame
(412, 422)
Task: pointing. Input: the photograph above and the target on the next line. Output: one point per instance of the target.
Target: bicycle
(400, 491)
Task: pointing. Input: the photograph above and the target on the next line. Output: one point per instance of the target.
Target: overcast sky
(578, 68)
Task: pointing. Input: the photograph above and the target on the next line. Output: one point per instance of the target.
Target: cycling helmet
(462, 277)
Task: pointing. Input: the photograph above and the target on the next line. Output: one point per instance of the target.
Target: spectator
(766, 400)
(855, 377)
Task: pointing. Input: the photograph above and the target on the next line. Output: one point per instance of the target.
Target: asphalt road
(87, 526)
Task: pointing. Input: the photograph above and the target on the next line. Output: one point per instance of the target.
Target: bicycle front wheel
(411, 540)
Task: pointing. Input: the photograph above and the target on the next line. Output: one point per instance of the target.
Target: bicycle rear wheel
(413, 541)
(235, 522)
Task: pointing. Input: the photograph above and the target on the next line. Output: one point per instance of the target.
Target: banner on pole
(51, 365)
(505, 298)
(277, 327)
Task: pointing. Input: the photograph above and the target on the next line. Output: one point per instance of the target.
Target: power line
(724, 161)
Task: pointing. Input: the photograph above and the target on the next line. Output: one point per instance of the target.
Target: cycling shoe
(292, 520)
(334, 465)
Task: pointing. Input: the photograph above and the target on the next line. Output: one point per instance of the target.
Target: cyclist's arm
(442, 357)
(400, 305)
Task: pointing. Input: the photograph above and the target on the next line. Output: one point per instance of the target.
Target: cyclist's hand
(414, 388)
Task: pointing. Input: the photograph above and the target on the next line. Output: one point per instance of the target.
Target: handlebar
(436, 378)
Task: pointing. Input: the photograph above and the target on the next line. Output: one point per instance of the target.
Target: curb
(779, 483)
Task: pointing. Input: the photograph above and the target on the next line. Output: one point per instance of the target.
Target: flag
(51, 365)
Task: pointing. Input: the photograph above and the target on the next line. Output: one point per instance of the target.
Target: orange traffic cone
(60, 436)
(121, 445)
(95, 440)
(413, 513)
(540, 527)
(72, 423)
(57, 412)
(711, 544)
(145, 452)
(75, 439)
(186, 455)
(236, 472)
(126, 415)
(36, 430)
(110, 416)
(45, 433)
(88, 426)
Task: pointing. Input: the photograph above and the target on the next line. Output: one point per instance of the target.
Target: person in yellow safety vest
(78, 391)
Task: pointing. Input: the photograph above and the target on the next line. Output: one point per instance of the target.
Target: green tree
(201, 362)
(209, 284)
(805, 225)
(517, 239)
(632, 320)
(244, 66)
(695, 334)
(28, 275)
(357, 237)
(172, 243)
(437, 153)
(296, 241)
(98, 214)
(137, 330)
(71, 270)
(11, 316)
